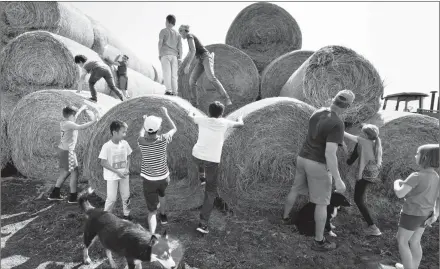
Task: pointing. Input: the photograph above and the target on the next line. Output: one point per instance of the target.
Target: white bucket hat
(152, 123)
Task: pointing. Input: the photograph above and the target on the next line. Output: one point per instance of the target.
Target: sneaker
(73, 198)
(202, 228)
(55, 196)
(324, 245)
(163, 218)
(287, 221)
(93, 100)
(128, 217)
(399, 266)
(168, 93)
(202, 181)
(372, 230)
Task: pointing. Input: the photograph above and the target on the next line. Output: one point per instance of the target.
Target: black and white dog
(305, 221)
(123, 237)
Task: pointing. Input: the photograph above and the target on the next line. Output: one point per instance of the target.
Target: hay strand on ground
(179, 150)
(264, 31)
(103, 37)
(34, 130)
(56, 17)
(258, 160)
(236, 72)
(276, 74)
(335, 68)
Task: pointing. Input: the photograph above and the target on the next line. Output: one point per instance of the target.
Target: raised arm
(351, 137)
(84, 107)
(173, 126)
(238, 123)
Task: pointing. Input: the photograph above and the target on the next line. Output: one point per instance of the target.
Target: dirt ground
(43, 234)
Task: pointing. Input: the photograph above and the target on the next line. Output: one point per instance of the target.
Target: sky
(401, 39)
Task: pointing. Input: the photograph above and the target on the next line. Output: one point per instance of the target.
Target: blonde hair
(429, 156)
(372, 133)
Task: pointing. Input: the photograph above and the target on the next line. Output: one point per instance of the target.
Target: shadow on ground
(43, 234)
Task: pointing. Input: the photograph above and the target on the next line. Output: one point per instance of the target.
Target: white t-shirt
(211, 137)
(117, 156)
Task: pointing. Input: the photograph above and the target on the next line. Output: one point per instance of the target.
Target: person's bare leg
(403, 236)
(163, 204)
(290, 201)
(416, 247)
(320, 219)
(152, 221)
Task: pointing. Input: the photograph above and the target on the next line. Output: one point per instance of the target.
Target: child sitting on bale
(97, 71)
(115, 161)
(421, 208)
(207, 154)
(67, 155)
(154, 168)
(121, 61)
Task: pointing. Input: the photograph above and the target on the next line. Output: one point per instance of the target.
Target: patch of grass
(54, 237)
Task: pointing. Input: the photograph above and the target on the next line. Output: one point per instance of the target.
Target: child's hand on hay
(92, 116)
(431, 220)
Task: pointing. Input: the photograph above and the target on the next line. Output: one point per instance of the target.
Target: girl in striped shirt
(154, 168)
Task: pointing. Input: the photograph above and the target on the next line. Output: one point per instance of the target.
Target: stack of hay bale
(38, 42)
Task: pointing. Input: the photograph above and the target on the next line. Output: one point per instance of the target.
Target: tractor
(414, 96)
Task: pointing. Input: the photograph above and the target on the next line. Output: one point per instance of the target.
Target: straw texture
(276, 74)
(234, 69)
(264, 31)
(335, 68)
(259, 159)
(34, 130)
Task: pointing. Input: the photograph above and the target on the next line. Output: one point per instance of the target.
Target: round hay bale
(236, 72)
(41, 60)
(56, 17)
(335, 68)
(264, 31)
(401, 134)
(34, 130)
(8, 102)
(276, 74)
(257, 177)
(180, 149)
(103, 38)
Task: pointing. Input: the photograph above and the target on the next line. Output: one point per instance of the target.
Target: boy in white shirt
(207, 154)
(115, 162)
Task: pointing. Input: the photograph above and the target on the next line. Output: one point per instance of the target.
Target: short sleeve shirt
(117, 156)
(211, 138)
(200, 49)
(89, 66)
(420, 200)
(324, 126)
(154, 157)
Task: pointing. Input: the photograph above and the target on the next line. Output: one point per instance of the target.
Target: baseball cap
(152, 123)
(344, 98)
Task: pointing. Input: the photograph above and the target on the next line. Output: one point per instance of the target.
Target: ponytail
(378, 151)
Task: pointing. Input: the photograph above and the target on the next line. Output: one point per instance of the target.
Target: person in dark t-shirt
(205, 63)
(121, 61)
(317, 163)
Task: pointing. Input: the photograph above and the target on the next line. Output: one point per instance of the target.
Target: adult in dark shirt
(205, 63)
(317, 163)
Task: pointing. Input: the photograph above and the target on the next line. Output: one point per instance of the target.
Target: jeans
(359, 197)
(98, 73)
(170, 67)
(211, 173)
(112, 195)
(205, 64)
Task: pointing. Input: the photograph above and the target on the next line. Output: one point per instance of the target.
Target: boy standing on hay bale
(121, 62)
(154, 168)
(207, 154)
(170, 54)
(115, 161)
(317, 163)
(67, 156)
(422, 205)
(97, 71)
(204, 64)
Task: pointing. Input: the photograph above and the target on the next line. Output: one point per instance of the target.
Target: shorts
(313, 179)
(153, 189)
(412, 223)
(67, 160)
